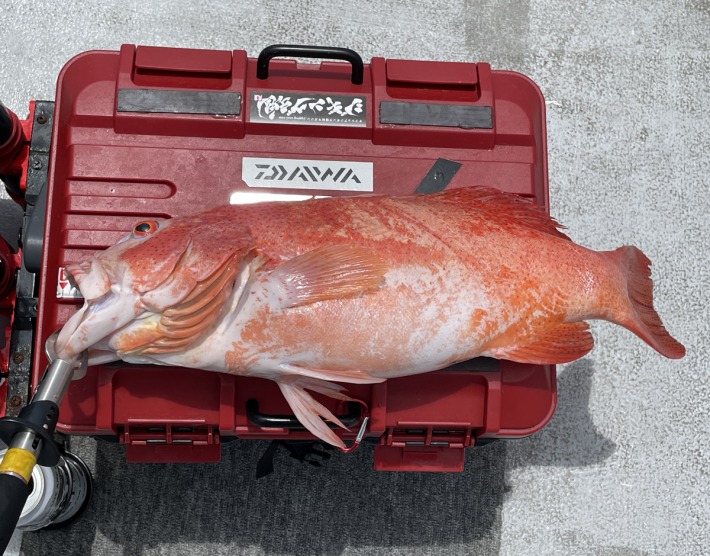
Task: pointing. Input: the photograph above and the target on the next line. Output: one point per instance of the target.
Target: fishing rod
(30, 435)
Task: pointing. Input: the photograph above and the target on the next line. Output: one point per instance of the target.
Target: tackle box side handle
(302, 51)
(290, 422)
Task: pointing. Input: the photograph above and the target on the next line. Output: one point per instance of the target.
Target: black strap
(299, 450)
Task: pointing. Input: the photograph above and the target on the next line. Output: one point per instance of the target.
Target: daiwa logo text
(307, 174)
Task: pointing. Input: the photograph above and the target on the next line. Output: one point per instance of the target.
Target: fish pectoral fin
(309, 411)
(559, 344)
(354, 376)
(330, 272)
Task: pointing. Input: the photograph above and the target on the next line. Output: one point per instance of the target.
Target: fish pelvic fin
(558, 344)
(637, 313)
(353, 376)
(330, 272)
(311, 412)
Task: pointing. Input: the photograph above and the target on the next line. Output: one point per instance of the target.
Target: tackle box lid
(160, 132)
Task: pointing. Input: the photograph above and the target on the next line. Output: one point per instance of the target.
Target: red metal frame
(14, 153)
(14, 157)
(9, 263)
(110, 168)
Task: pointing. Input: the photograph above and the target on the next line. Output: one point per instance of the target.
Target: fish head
(158, 288)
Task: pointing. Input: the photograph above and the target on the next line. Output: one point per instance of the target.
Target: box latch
(423, 449)
(170, 443)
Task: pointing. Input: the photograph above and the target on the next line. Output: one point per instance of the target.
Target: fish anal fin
(352, 376)
(330, 272)
(309, 411)
(559, 344)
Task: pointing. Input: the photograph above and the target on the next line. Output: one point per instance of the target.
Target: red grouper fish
(356, 290)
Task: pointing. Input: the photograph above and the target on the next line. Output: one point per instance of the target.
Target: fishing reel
(57, 495)
(42, 483)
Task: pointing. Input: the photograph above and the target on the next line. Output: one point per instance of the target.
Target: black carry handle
(268, 421)
(331, 52)
(13, 495)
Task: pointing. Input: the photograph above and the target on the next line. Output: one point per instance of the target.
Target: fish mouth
(107, 308)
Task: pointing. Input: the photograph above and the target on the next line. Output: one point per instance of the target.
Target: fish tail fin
(309, 411)
(639, 316)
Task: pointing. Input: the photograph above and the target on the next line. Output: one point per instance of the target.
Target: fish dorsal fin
(329, 272)
(559, 344)
(501, 204)
(308, 410)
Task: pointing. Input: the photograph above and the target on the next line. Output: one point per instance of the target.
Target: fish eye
(145, 228)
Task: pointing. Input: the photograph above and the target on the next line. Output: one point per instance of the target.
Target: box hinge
(434, 104)
(180, 92)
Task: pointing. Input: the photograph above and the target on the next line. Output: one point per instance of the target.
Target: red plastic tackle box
(161, 132)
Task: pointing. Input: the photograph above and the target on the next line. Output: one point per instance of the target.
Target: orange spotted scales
(355, 290)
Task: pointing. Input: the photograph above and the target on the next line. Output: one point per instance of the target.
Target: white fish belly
(420, 320)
